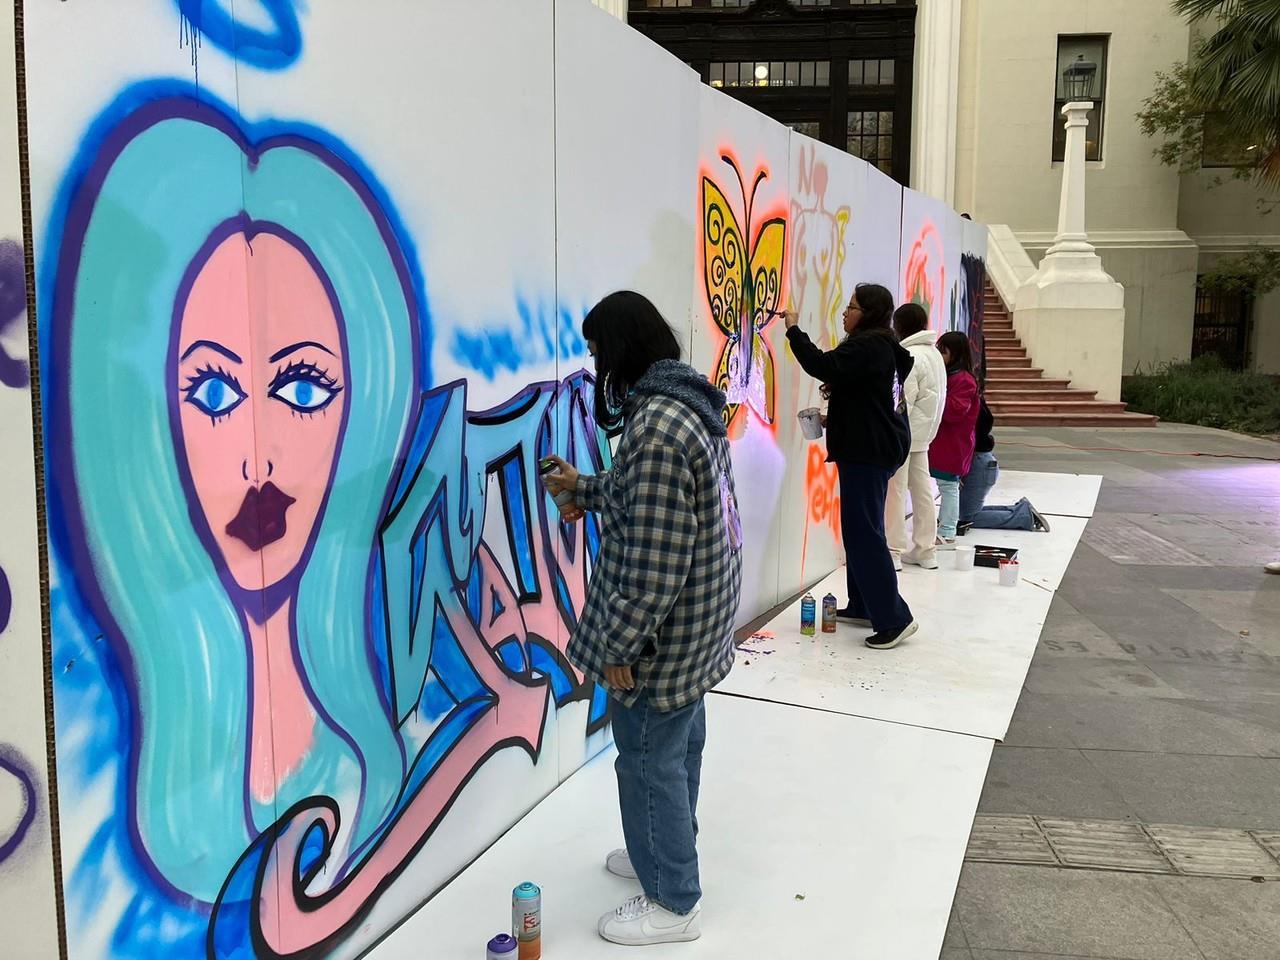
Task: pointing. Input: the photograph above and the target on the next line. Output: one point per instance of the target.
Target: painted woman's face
(260, 389)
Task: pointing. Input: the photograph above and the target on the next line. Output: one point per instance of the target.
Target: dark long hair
(630, 336)
(909, 319)
(957, 345)
(877, 307)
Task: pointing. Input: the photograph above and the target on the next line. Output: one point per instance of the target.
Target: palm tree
(1237, 70)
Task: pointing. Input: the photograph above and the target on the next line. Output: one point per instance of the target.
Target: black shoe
(963, 528)
(888, 639)
(846, 616)
(1041, 523)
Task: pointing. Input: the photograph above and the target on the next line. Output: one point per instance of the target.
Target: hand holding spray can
(548, 466)
(526, 920)
(808, 615)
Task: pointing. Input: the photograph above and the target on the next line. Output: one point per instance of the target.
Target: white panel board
(740, 276)
(819, 834)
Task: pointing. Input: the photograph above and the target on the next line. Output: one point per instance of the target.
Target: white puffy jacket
(925, 389)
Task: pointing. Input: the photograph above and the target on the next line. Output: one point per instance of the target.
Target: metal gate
(1222, 325)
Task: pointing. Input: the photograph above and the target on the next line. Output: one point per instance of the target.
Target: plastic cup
(964, 557)
(1009, 573)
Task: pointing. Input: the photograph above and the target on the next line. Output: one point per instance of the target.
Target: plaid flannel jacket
(665, 590)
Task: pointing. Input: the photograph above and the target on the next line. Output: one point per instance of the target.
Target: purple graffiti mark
(13, 306)
(12, 765)
(6, 601)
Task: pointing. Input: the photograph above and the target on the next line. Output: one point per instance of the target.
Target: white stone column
(935, 99)
(616, 7)
(1070, 314)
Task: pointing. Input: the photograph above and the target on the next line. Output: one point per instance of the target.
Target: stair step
(999, 407)
(1008, 363)
(1018, 373)
(996, 325)
(1003, 381)
(1011, 351)
(1034, 390)
(1074, 420)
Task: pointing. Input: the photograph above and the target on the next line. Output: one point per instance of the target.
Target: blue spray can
(808, 616)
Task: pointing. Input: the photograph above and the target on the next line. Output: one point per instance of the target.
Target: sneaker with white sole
(888, 639)
(1273, 567)
(640, 923)
(927, 561)
(619, 864)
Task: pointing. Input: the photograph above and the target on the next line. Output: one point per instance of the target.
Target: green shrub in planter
(1205, 393)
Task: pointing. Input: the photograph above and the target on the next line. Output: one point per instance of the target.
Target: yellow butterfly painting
(744, 288)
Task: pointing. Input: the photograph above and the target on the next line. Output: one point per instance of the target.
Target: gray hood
(679, 381)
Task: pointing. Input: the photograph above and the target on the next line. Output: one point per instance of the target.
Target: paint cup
(964, 557)
(810, 423)
(502, 947)
(1009, 573)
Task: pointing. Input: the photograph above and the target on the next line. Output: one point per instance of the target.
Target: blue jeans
(659, 769)
(948, 507)
(974, 488)
(977, 483)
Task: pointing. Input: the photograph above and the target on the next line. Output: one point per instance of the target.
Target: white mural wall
(27, 895)
(310, 281)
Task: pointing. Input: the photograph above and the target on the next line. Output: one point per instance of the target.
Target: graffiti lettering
(822, 484)
(541, 337)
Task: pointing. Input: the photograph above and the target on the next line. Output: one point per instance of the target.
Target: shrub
(1205, 393)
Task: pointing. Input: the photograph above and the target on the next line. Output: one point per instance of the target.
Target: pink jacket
(952, 449)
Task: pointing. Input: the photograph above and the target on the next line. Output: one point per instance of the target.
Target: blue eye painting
(304, 387)
(215, 393)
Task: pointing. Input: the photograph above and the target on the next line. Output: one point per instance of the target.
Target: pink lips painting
(261, 518)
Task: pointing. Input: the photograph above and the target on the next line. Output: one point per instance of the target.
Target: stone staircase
(1019, 395)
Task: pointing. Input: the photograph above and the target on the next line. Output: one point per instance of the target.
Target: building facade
(960, 99)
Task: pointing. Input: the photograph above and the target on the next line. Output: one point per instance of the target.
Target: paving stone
(1050, 782)
(1068, 912)
(1227, 919)
(1194, 790)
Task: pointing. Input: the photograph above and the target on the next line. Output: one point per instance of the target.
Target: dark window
(871, 73)
(1082, 75)
(1222, 324)
(870, 134)
(1220, 149)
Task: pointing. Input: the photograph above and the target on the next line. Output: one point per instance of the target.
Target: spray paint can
(502, 947)
(829, 613)
(546, 466)
(808, 615)
(526, 920)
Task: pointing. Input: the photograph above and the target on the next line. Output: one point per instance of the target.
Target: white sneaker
(1273, 567)
(640, 923)
(928, 561)
(619, 864)
(897, 562)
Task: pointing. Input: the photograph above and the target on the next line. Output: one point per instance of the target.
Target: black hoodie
(866, 417)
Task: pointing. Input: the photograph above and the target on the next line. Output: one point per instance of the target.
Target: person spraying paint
(868, 439)
(657, 627)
